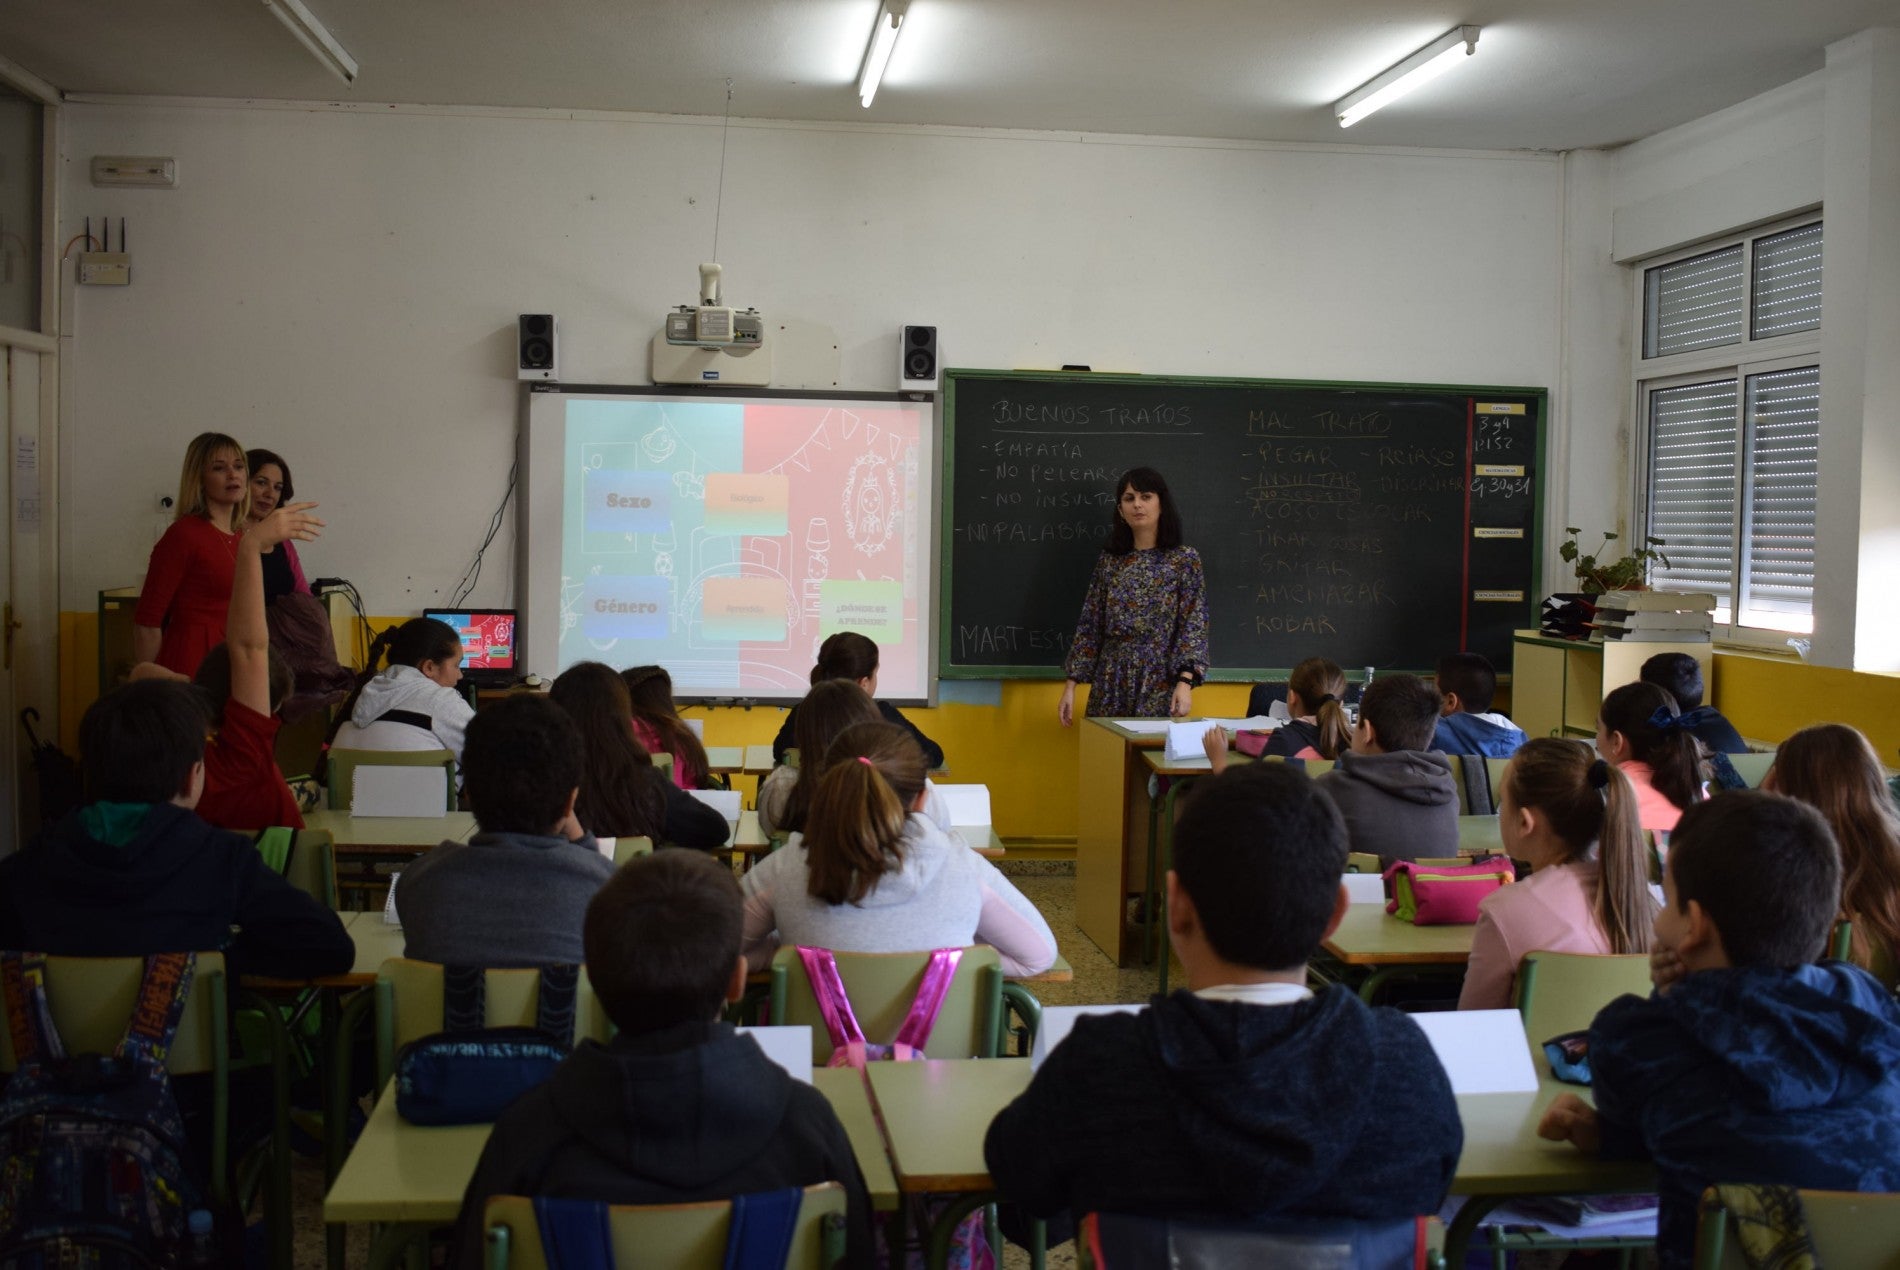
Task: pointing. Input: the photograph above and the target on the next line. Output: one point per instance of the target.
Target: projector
(710, 324)
(712, 343)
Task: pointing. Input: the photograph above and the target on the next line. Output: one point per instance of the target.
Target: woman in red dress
(181, 611)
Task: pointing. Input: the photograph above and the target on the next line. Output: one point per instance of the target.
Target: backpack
(850, 1049)
(97, 1174)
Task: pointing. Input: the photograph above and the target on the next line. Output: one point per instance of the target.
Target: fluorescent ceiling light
(314, 36)
(890, 22)
(1416, 71)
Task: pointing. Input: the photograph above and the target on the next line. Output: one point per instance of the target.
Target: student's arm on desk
(1011, 925)
(282, 931)
(1623, 1085)
(691, 823)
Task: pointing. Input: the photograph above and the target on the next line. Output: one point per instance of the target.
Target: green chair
(881, 987)
(626, 849)
(1562, 992)
(409, 1006)
(1364, 862)
(312, 865)
(1494, 770)
(1848, 1229)
(684, 1236)
(343, 765)
(664, 762)
(1752, 767)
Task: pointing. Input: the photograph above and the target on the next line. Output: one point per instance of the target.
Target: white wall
(341, 285)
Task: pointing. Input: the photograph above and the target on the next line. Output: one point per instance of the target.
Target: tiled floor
(1097, 979)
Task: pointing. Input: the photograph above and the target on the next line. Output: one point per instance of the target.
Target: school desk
(1168, 778)
(1479, 835)
(1370, 941)
(758, 760)
(363, 843)
(1111, 839)
(409, 1179)
(725, 760)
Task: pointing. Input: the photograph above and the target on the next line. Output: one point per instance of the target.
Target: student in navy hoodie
(1680, 675)
(1466, 724)
(1749, 1063)
(1245, 1095)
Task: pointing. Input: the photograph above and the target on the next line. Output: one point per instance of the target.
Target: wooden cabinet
(1557, 685)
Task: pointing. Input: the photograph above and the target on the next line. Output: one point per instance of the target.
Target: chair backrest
(1317, 766)
(1849, 1229)
(663, 763)
(627, 848)
(1457, 762)
(1752, 767)
(1494, 769)
(312, 865)
(881, 987)
(1562, 992)
(409, 1005)
(684, 1236)
(91, 1000)
(1364, 862)
(1109, 1241)
(343, 765)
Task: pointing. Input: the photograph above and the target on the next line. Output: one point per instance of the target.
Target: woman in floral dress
(1141, 640)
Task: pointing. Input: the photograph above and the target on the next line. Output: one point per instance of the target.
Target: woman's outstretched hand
(293, 520)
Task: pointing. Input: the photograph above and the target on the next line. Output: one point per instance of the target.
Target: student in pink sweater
(1573, 818)
(1640, 732)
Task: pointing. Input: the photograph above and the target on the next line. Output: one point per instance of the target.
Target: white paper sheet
(379, 790)
(607, 846)
(1184, 739)
(968, 804)
(1058, 1020)
(1364, 888)
(699, 729)
(1252, 723)
(724, 801)
(1278, 710)
(1147, 727)
(1482, 1051)
(789, 1047)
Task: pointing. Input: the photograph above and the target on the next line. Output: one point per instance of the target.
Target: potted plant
(1625, 573)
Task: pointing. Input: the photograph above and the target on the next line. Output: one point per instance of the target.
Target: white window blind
(1695, 303)
(1786, 295)
(1692, 487)
(1784, 439)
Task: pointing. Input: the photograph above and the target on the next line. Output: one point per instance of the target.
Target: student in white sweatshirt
(871, 873)
(412, 705)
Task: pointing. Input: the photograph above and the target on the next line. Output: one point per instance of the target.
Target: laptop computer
(491, 658)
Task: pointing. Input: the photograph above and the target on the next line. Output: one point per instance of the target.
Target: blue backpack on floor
(97, 1174)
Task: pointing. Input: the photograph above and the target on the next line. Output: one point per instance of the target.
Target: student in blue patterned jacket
(1749, 1063)
(1466, 724)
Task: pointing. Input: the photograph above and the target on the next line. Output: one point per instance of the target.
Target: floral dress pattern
(1143, 622)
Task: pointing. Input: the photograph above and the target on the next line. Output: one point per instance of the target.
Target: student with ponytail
(1833, 768)
(871, 873)
(1642, 733)
(412, 704)
(1571, 817)
(658, 727)
(851, 656)
(1316, 700)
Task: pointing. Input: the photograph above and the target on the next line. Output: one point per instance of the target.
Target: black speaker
(919, 365)
(535, 345)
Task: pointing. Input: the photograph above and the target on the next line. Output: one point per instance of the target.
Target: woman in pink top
(1572, 817)
(1640, 732)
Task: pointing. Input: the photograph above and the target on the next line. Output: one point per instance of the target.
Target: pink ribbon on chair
(849, 1047)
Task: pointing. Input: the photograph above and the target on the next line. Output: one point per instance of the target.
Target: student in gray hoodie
(1398, 798)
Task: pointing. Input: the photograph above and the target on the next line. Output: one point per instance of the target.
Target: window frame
(1738, 360)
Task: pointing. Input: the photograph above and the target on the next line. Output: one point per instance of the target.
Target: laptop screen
(488, 641)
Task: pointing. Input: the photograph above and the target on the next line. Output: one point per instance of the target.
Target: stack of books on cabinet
(1654, 617)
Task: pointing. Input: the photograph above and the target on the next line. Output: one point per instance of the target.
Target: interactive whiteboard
(724, 537)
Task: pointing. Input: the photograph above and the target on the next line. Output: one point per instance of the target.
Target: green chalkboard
(1375, 524)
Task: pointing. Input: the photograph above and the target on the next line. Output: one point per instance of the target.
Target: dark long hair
(845, 655)
(1834, 769)
(1322, 689)
(1674, 754)
(831, 706)
(650, 689)
(873, 774)
(261, 457)
(622, 794)
(1143, 480)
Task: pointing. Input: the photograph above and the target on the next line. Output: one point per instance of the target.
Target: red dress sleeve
(171, 556)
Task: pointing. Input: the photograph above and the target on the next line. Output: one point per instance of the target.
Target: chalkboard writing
(1374, 524)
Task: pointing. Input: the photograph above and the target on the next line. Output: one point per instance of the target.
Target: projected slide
(725, 539)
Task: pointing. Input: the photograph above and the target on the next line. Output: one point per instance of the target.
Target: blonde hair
(199, 455)
(1591, 807)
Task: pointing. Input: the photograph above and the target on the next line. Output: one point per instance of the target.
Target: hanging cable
(719, 204)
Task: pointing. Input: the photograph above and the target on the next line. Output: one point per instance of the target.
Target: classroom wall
(341, 284)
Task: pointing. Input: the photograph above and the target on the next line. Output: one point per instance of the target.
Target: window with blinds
(1730, 376)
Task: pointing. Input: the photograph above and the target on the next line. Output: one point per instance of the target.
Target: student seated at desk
(413, 704)
(134, 871)
(678, 1108)
(1572, 817)
(851, 656)
(1398, 798)
(1316, 701)
(1833, 769)
(515, 894)
(246, 681)
(1641, 732)
(827, 710)
(1680, 675)
(1244, 1095)
(871, 873)
(623, 795)
(1749, 1063)
(1466, 724)
(658, 728)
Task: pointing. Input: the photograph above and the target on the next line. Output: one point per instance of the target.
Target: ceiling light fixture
(1416, 71)
(890, 23)
(314, 36)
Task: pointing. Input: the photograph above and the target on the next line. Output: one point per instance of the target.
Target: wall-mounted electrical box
(125, 169)
(105, 269)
